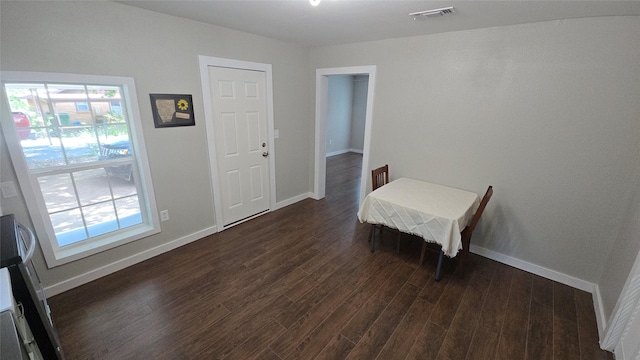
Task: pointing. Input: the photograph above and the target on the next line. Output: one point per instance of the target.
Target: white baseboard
(293, 200)
(105, 270)
(534, 269)
(601, 318)
(126, 262)
(339, 152)
(160, 249)
(334, 153)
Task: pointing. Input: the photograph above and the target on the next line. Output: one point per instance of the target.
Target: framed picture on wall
(171, 110)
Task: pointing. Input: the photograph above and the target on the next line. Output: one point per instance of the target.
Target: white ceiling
(346, 21)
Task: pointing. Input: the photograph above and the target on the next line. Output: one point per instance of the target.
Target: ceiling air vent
(433, 13)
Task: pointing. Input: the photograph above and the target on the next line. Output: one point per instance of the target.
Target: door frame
(205, 63)
(619, 328)
(322, 104)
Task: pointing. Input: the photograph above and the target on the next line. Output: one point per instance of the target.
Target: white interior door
(239, 109)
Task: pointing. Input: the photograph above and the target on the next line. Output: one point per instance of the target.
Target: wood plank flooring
(301, 283)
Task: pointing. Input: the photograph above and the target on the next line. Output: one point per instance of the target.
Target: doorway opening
(323, 110)
(346, 111)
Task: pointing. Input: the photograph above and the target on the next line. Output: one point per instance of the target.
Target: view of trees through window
(76, 143)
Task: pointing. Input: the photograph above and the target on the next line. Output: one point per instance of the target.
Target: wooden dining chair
(465, 235)
(380, 177)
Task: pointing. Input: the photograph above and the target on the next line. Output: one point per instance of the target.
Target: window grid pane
(69, 227)
(58, 192)
(93, 186)
(128, 211)
(100, 218)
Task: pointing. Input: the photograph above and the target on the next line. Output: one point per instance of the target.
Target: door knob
(265, 154)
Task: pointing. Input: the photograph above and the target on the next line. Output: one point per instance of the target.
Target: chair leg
(439, 268)
(422, 252)
(465, 255)
(372, 238)
(465, 260)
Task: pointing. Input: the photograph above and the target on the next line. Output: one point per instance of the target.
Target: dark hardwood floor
(301, 283)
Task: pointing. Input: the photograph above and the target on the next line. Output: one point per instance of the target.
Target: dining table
(434, 212)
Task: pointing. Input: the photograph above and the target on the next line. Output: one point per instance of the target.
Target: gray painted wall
(340, 102)
(547, 113)
(359, 111)
(161, 53)
(347, 107)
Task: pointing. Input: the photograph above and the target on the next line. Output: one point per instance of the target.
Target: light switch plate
(276, 133)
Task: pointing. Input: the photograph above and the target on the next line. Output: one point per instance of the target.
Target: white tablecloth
(434, 212)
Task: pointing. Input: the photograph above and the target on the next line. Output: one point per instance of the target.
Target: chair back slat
(379, 176)
(483, 204)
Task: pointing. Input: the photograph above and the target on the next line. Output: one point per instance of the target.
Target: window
(87, 170)
(116, 108)
(82, 106)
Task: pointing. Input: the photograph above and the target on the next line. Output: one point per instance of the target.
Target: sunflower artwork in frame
(171, 110)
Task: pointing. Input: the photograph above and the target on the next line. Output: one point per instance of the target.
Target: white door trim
(627, 310)
(322, 100)
(205, 62)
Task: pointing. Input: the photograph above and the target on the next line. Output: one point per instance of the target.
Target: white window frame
(34, 199)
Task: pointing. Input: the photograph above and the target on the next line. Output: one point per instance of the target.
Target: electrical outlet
(164, 215)
(8, 189)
